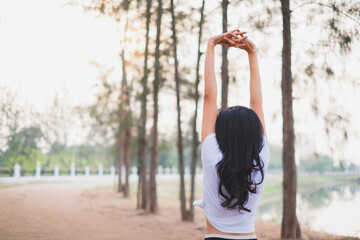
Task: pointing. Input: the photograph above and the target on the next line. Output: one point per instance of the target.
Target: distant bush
(316, 162)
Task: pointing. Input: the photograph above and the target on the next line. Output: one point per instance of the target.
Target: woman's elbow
(256, 100)
(210, 96)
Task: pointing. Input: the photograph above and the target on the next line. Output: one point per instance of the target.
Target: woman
(235, 151)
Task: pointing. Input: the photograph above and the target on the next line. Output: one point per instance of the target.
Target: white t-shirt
(223, 219)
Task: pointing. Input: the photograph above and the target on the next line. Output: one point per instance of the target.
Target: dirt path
(80, 211)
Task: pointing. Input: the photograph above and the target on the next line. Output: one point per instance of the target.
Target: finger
(234, 36)
(229, 41)
(240, 33)
(225, 44)
(239, 40)
(240, 45)
(234, 33)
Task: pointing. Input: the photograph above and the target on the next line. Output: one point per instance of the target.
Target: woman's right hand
(233, 40)
(220, 39)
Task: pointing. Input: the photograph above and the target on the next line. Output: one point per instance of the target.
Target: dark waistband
(229, 237)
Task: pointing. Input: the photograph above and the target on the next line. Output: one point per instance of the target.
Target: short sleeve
(210, 151)
(265, 152)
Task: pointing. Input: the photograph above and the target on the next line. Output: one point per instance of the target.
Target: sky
(46, 48)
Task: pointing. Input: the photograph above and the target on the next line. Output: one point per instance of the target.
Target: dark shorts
(218, 238)
(227, 237)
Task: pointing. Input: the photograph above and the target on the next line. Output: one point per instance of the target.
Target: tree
(338, 35)
(224, 65)
(153, 206)
(123, 130)
(184, 213)
(22, 148)
(290, 226)
(55, 123)
(195, 137)
(143, 117)
(10, 116)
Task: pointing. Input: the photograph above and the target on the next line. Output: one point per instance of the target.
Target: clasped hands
(234, 38)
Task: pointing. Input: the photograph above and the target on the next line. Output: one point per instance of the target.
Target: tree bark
(153, 205)
(195, 139)
(119, 156)
(184, 213)
(290, 227)
(224, 65)
(127, 136)
(126, 133)
(142, 122)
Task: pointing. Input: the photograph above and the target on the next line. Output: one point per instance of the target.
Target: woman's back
(223, 219)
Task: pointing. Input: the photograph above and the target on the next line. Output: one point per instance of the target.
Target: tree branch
(328, 6)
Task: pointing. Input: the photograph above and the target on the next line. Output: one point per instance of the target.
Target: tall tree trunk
(195, 140)
(224, 66)
(142, 122)
(184, 213)
(126, 136)
(124, 124)
(139, 163)
(119, 155)
(290, 227)
(119, 135)
(153, 205)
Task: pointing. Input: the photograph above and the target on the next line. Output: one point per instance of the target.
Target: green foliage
(81, 155)
(316, 162)
(114, 9)
(27, 158)
(22, 148)
(275, 157)
(26, 138)
(167, 154)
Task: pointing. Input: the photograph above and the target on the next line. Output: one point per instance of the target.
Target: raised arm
(255, 81)
(255, 88)
(210, 92)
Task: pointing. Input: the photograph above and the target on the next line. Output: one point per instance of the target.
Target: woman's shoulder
(210, 150)
(265, 142)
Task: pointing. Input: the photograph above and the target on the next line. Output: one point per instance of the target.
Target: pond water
(334, 209)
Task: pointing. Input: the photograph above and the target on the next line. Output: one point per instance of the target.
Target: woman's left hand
(224, 37)
(232, 40)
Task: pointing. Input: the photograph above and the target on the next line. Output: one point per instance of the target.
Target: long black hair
(239, 134)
